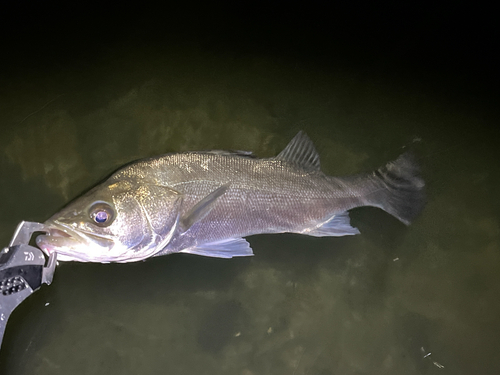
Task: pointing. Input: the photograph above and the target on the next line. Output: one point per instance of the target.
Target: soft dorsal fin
(301, 151)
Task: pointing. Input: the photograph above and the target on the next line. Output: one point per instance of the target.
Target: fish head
(117, 221)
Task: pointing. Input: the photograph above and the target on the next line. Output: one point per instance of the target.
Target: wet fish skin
(205, 203)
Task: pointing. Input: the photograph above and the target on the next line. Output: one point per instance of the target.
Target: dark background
(448, 47)
(382, 74)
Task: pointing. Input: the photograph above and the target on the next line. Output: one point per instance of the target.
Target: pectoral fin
(233, 247)
(202, 208)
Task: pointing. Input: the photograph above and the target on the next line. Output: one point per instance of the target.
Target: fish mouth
(71, 244)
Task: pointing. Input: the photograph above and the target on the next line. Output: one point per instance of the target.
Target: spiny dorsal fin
(246, 154)
(301, 151)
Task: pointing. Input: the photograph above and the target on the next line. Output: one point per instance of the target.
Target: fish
(207, 202)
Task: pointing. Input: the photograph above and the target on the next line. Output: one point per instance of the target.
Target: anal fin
(337, 226)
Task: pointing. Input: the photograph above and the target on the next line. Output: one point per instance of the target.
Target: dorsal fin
(301, 151)
(246, 154)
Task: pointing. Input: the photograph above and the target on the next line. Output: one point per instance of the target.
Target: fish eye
(102, 214)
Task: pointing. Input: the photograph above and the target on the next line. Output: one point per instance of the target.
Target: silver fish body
(205, 203)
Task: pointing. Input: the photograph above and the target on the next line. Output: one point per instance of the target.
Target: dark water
(81, 96)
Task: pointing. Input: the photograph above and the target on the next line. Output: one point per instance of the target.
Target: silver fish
(205, 203)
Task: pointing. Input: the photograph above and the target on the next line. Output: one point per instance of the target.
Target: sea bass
(205, 203)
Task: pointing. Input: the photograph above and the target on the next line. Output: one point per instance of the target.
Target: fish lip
(57, 233)
(65, 230)
(58, 229)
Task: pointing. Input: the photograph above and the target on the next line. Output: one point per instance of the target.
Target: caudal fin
(400, 190)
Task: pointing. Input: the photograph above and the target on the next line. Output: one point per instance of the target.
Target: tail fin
(401, 190)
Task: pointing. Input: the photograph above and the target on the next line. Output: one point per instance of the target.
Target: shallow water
(377, 303)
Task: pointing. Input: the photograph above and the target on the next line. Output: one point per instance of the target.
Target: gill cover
(161, 207)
